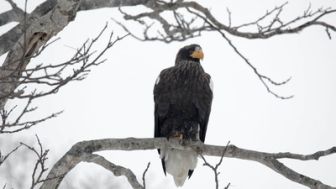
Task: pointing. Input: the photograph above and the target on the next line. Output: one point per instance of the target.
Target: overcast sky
(116, 99)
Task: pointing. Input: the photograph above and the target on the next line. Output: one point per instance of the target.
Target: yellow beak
(198, 54)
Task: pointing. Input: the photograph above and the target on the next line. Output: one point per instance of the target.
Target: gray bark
(82, 150)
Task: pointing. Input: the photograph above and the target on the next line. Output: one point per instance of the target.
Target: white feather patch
(157, 80)
(178, 164)
(211, 84)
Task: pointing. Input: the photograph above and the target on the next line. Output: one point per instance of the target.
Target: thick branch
(115, 169)
(13, 15)
(34, 36)
(97, 4)
(76, 153)
(10, 38)
(314, 156)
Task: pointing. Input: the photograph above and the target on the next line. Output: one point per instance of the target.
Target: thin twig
(51, 78)
(144, 176)
(39, 167)
(261, 77)
(3, 158)
(215, 168)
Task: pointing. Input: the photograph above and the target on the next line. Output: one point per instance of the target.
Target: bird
(183, 96)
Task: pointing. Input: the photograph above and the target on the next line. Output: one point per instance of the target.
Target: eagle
(183, 97)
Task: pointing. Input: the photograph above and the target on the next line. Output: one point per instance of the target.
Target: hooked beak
(198, 53)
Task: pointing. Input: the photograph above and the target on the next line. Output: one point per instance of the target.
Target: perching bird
(182, 96)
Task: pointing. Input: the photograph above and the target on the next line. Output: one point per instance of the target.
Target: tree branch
(8, 40)
(14, 15)
(197, 19)
(4, 157)
(47, 9)
(35, 34)
(50, 78)
(39, 167)
(144, 176)
(262, 31)
(35, 29)
(314, 156)
(78, 151)
(265, 80)
(215, 168)
(115, 169)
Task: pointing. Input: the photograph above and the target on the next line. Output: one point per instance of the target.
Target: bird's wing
(161, 106)
(203, 104)
(160, 100)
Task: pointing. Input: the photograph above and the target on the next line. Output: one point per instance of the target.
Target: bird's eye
(198, 49)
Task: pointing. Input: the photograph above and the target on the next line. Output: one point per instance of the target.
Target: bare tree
(22, 81)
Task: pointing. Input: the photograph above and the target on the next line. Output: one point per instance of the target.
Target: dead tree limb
(79, 152)
(47, 13)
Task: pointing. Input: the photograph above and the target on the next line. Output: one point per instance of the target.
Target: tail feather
(190, 172)
(163, 166)
(179, 163)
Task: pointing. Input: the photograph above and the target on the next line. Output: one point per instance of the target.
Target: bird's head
(189, 53)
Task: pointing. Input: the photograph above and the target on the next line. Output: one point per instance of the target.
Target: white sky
(116, 100)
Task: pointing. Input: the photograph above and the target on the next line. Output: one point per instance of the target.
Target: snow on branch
(83, 152)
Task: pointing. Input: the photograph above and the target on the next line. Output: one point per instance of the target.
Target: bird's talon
(178, 136)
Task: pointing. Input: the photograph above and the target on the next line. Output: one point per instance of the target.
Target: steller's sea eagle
(182, 96)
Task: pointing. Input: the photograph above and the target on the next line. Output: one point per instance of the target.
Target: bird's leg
(178, 135)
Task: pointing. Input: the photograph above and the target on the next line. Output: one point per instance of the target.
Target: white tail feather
(178, 163)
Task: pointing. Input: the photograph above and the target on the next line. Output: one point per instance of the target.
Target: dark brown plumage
(183, 97)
